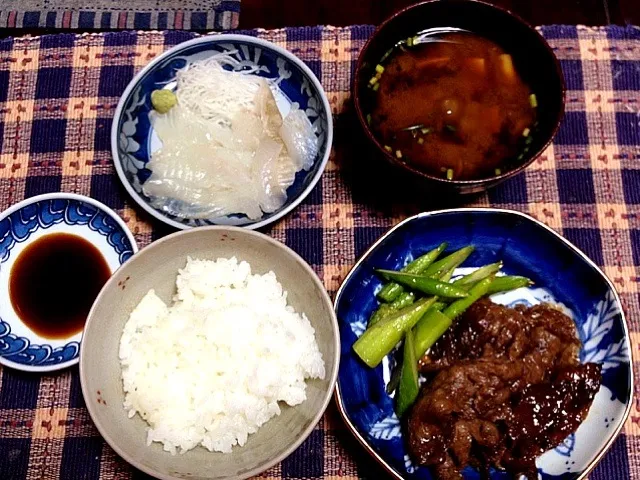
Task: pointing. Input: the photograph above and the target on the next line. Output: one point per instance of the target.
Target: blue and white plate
(133, 139)
(562, 274)
(27, 221)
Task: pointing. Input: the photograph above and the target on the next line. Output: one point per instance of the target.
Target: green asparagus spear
(430, 328)
(392, 290)
(404, 300)
(508, 282)
(439, 306)
(499, 284)
(408, 388)
(436, 269)
(380, 339)
(479, 274)
(383, 311)
(427, 285)
(407, 298)
(478, 290)
(447, 275)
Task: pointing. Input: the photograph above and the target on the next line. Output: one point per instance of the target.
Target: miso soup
(452, 104)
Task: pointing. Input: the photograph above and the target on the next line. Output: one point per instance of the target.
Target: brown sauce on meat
(546, 413)
(54, 282)
(505, 385)
(452, 102)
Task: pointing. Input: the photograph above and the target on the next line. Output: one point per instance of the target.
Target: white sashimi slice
(180, 126)
(199, 173)
(273, 196)
(301, 141)
(209, 205)
(194, 158)
(286, 170)
(268, 111)
(247, 131)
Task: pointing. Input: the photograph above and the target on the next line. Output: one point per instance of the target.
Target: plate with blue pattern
(133, 139)
(22, 224)
(562, 275)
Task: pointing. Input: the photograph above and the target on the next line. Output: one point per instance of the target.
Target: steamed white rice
(211, 368)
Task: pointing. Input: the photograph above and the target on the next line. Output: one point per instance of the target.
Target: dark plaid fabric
(57, 99)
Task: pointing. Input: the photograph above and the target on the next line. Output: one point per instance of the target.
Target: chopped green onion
(387, 148)
(528, 141)
(373, 80)
(410, 42)
(450, 174)
(375, 87)
(386, 55)
(379, 68)
(424, 131)
(498, 171)
(533, 100)
(421, 140)
(520, 157)
(368, 119)
(526, 132)
(398, 154)
(451, 128)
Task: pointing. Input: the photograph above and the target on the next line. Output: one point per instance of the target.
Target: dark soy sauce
(54, 282)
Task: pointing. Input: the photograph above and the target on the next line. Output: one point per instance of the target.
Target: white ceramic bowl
(156, 267)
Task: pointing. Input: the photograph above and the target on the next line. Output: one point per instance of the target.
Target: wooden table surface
(281, 13)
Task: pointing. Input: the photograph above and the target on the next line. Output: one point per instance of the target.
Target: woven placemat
(120, 14)
(57, 98)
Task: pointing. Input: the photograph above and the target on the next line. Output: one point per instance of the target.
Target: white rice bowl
(211, 368)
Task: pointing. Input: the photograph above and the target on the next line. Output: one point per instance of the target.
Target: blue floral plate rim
(470, 210)
(46, 357)
(215, 39)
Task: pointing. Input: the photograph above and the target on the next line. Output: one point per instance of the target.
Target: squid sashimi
(225, 147)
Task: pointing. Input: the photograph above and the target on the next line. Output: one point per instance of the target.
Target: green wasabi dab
(163, 100)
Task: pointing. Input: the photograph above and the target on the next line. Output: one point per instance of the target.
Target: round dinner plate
(27, 221)
(133, 138)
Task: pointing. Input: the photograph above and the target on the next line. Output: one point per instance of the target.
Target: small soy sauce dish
(57, 251)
